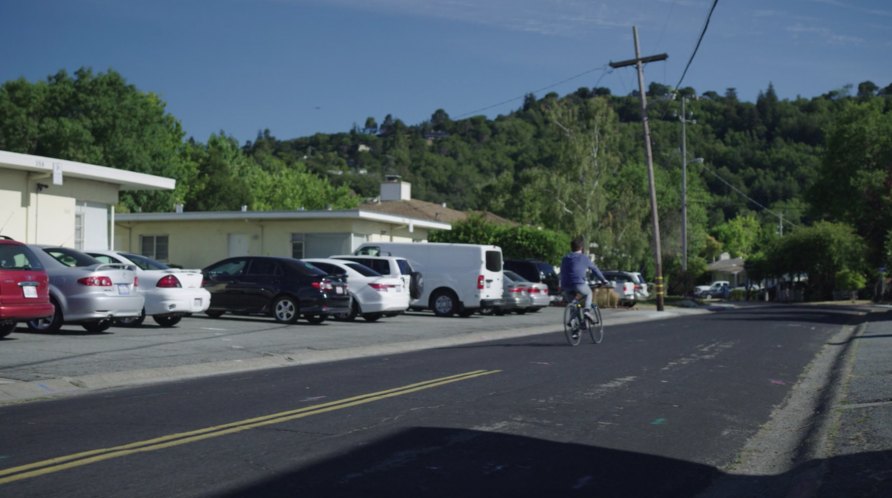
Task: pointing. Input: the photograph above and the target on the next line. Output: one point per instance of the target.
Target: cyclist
(574, 267)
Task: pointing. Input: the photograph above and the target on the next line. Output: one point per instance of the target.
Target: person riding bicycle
(574, 267)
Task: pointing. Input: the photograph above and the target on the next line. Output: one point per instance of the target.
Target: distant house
(44, 200)
(728, 268)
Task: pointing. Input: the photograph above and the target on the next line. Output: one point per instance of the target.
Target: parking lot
(35, 365)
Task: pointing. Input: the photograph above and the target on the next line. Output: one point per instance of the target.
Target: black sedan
(284, 288)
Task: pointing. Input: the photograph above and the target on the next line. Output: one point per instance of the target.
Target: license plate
(123, 290)
(198, 302)
(339, 290)
(29, 290)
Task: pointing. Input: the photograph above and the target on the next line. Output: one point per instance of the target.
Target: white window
(154, 246)
(297, 245)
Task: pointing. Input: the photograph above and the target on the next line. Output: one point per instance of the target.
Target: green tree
(855, 178)
(820, 252)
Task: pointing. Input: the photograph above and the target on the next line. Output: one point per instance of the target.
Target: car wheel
(167, 320)
(48, 325)
(372, 317)
(444, 303)
(315, 318)
(96, 327)
(132, 321)
(354, 312)
(214, 313)
(285, 310)
(6, 328)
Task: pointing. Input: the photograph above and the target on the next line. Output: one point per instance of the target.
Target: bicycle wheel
(596, 329)
(571, 325)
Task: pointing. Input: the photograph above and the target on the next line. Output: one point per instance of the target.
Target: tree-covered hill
(573, 163)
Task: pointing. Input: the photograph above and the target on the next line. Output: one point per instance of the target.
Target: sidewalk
(858, 446)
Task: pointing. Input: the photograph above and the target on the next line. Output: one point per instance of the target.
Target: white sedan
(171, 293)
(374, 295)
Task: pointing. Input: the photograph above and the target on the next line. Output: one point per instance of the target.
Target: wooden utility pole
(639, 62)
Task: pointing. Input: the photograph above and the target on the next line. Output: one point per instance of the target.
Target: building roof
(728, 265)
(360, 214)
(61, 169)
(418, 209)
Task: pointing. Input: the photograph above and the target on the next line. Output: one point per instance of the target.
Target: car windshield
(17, 257)
(70, 257)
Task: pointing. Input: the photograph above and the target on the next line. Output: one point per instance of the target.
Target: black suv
(536, 271)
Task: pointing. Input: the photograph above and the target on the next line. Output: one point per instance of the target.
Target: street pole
(638, 62)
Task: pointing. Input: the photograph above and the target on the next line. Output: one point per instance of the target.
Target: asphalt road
(662, 408)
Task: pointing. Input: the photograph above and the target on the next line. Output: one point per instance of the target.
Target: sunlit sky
(299, 67)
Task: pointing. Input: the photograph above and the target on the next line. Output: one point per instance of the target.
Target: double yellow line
(57, 464)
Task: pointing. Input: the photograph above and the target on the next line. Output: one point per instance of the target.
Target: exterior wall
(49, 216)
(198, 243)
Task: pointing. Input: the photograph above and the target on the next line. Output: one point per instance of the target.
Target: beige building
(197, 239)
(54, 201)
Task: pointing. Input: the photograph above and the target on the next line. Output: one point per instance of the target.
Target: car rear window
(18, 257)
(363, 269)
(405, 267)
(70, 257)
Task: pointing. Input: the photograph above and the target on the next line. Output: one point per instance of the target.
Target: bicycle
(575, 323)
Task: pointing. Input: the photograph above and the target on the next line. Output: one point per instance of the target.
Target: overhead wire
(697, 47)
(757, 203)
(605, 71)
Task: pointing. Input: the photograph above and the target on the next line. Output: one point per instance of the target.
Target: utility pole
(684, 186)
(639, 62)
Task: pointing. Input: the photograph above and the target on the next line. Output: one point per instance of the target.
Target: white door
(238, 244)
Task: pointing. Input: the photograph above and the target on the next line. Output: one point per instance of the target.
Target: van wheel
(416, 284)
(97, 327)
(167, 320)
(444, 303)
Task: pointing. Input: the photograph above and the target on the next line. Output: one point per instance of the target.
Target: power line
(697, 47)
(604, 68)
(732, 187)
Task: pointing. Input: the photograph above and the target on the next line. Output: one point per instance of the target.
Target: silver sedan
(85, 291)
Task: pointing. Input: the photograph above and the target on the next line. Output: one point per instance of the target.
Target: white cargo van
(458, 278)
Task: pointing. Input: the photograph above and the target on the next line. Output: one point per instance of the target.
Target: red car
(24, 286)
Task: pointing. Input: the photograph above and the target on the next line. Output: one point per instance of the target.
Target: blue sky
(298, 67)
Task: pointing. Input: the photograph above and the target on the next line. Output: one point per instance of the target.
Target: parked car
(642, 293)
(85, 291)
(624, 283)
(538, 291)
(515, 297)
(24, 286)
(392, 266)
(374, 295)
(171, 293)
(536, 271)
(719, 288)
(284, 288)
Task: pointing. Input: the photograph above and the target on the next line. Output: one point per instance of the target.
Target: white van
(458, 278)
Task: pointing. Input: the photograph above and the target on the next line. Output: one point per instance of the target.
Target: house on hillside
(44, 200)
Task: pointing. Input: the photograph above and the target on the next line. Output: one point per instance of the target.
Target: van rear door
(490, 280)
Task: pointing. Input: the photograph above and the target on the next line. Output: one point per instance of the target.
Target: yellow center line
(57, 464)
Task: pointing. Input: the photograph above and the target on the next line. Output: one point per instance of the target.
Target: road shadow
(443, 462)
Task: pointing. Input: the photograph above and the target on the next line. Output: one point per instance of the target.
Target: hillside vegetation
(573, 164)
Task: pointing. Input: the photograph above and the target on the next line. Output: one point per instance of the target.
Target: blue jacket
(574, 267)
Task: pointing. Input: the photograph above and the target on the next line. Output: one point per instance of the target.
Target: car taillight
(168, 282)
(135, 281)
(323, 285)
(95, 281)
(515, 290)
(534, 290)
(479, 281)
(381, 287)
